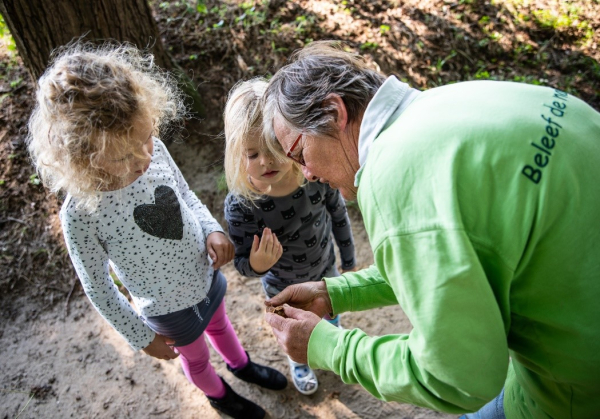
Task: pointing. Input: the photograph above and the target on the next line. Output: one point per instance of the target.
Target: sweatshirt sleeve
(456, 357)
(242, 228)
(90, 261)
(357, 291)
(341, 228)
(207, 221)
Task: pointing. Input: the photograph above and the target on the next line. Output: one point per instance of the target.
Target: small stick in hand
(277, 310)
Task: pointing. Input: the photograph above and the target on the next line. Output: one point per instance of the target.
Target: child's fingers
(230, 253)
(255, 244)
(266, 243)
(212, 254)
(279, 251)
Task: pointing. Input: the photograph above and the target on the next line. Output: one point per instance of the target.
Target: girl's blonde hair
(243, 117)
(87, 100)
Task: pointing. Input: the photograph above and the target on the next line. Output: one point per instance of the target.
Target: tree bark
(40, 26)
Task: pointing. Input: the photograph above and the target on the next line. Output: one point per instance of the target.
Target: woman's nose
(308, 174)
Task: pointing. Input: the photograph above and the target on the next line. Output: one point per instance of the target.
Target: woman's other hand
(310, 296)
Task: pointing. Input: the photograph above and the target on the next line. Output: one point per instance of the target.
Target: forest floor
(60, 359)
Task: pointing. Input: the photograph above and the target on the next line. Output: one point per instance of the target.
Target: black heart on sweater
(163, 218)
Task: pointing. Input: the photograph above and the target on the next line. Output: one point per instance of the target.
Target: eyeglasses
(299, 158)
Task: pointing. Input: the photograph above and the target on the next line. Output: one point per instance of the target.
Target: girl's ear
(335, 104)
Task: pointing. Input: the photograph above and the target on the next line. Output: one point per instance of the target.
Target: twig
(25, 407)
(158, 413)
(31, 396)
(13, 219)
(69, 297)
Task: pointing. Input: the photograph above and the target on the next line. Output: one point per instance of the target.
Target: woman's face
(328, 160)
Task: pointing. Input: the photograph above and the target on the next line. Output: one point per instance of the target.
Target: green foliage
(115, 279)
(34, 179)
(222, 183)
(6, 38)
(369, 46)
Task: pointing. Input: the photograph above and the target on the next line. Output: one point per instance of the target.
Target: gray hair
(297, 92)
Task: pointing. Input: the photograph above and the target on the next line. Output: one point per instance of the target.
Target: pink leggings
(195, 357)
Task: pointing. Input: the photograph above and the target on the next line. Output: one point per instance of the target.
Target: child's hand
(159, 348)
(220, 249)
(265, 252)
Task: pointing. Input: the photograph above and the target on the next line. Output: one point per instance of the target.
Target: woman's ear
(335, 104)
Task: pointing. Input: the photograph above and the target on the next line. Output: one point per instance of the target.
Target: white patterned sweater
(153, 234)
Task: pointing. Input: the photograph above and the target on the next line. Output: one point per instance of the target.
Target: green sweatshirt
(482, 205)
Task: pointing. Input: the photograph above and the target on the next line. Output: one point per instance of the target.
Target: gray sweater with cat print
(303, 222)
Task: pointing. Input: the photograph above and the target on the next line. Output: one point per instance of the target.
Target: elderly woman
(481, 202)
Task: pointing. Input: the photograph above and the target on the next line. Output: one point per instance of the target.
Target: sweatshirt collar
(390, 100)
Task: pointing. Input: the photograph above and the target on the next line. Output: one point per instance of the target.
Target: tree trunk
(39, 26)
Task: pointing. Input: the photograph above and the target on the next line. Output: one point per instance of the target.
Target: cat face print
(316, 263)
(346, 264)
(267, 206)
(316, 198)
(237, 239)
(288, 214)
(299, 258)
(307, 218)
(311, 242)
(333, 209)
(342, 223)
(324, 242)
(278, 232)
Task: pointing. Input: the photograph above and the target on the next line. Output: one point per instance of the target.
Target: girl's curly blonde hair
(243, 118)
(87, 100)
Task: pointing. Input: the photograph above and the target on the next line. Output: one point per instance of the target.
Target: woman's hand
(311, 296)
(159, 348)
(293, 332)
(220, 249)
(265, 252)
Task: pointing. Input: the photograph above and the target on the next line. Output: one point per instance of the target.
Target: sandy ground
(66, 361)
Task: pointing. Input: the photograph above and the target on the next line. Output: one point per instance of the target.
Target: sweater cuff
(336, 288)
(212, 228)
(150, 335)
(321, 345)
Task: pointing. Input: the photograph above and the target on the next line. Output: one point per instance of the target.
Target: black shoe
(236, 406)
(258, 374)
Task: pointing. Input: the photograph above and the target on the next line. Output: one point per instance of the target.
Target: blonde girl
(280, 225)
(94, 137)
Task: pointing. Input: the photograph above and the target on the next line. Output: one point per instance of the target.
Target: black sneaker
(258, 374)
(236, 406)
